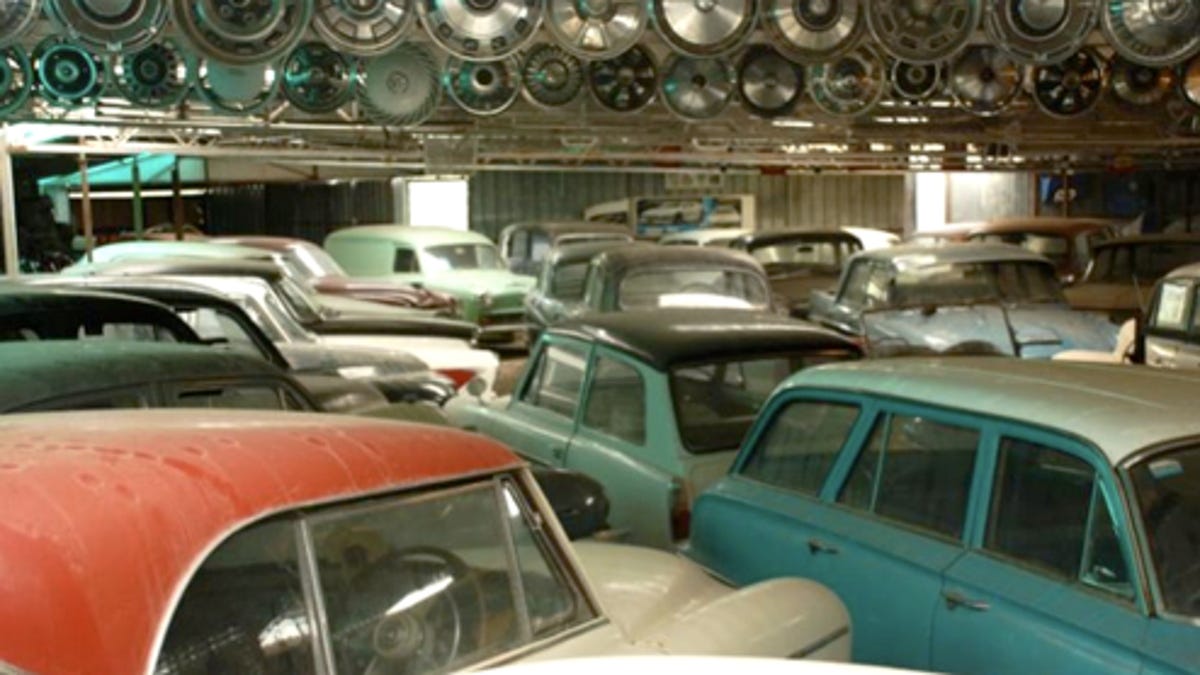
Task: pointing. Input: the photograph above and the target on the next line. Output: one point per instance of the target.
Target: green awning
(155, 170)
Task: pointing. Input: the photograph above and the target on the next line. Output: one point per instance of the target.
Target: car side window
(518, 245)
(593, 295)
(240, 396)
(244, 609)
(1048, 511)
(801, 444)
(854, 291)
(616, 402)
(405, 261)
(915, 470)
(132, 397)
(556, 381)
(1171, 307)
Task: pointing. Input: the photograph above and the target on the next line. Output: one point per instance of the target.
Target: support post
(8, 210)
(139, 225)
(177, 199)
(85, 209)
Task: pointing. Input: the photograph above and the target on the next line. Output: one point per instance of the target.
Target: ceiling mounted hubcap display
(482, 88)
(850, 85)
(923, 31)
(1189, 83)
(1041, 31)
(1153, 32)
(1070, 88)
(363, 27)
(316, 79)
(915, 82)
(68, 75)
(242, 90)
(15, 17)
(812, 31)
(697, 89)
(1140, 85)
(551, 76)
(704, 27)
(16, 79)
(399, 88)
(481, 30)
(110, 25)
(984, 80)
(596, 29)
(769, 84)
(242, 32)
(625, 83)
(158, 76)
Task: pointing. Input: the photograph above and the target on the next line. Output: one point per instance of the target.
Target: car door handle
(816, 546)
(955, 599)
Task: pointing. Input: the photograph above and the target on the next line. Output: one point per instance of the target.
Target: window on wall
(440, 202)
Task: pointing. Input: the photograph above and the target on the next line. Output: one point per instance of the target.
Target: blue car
(976, 297)
(978, 514)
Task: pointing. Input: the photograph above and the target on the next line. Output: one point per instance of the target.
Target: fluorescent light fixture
(794, 124)
(146, 194)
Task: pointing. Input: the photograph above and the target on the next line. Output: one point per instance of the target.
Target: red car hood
(400, 295)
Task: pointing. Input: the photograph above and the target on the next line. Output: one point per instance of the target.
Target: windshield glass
(959, 283)
(1168, 499)
(306, 262)
(716, 401)
(692, 287)
(567, 282)
(1146, 261)
(1056, 248)
(460, 257)
(795, 255)
(300, 301)
(274, 318)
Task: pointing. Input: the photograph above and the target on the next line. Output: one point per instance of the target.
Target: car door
(541, 416)
(615, 444)
(1172, 339)
(1048, 584)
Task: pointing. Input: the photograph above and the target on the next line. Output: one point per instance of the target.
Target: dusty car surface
(286, 542)
(718, 237)
(466, 265)
(974, 297)
(309, 264)
(799, 262)
(651, 403)
(45, 375)
(525, 245)
(978, 514)
(1067, 242)
(1124, 271)
(641, 276)
(560, 284)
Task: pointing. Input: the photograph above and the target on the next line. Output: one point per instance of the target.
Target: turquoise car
(978, 515)
(466, 265)
(651, 403)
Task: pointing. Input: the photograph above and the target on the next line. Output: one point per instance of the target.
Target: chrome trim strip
(822, 643)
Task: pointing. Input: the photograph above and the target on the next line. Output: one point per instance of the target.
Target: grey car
(560, 284)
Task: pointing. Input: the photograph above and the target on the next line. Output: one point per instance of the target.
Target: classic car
(799, 262)
(309, 264)
(525, 245)
(260, 542)
(290, 315)
(690, 665)
(560, 282)
(872, 237)
(48, 375)
(466, 265)
(718, 237)
(28, 313)
(651, 403)
(950, 297)
(1067, 242)
(1170, 336)
(1124, 270)
(977, 514)
(639, 276)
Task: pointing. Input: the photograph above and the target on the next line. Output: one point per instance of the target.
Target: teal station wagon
(978, 515)
(651, 403)
(466, 265)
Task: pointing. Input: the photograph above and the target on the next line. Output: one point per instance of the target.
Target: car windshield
(1143, 262)
(716, 401)
(961, 283)
(692, 287)
(460, 257)
(299, 301)
(567, 281)
(798, 254)
(1055, 247)
(1168, 499)
(306, 262)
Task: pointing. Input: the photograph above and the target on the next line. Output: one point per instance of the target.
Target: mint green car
(466, 265)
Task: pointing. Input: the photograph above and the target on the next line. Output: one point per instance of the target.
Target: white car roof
(691, 665)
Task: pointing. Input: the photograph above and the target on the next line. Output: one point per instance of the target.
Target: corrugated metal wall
(973, 197)
(499, 198)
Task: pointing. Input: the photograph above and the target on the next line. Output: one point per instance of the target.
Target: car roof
(582, 251)
(107, 514)
(1041, 225)
(1153, 238)
(665, 337)
(1189, 270)
(917, 255)
(1120, 409)
(265, 242)
(410, 234)
(557, 227)
(38, 370)
(182, 266)
(21, 304)
(154, 249)
(643, 254)
(770, 237)
(705, 234)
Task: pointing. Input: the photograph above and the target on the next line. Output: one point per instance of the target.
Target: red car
(192, 541)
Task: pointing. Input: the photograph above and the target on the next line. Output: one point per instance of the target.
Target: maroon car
(310, 264)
